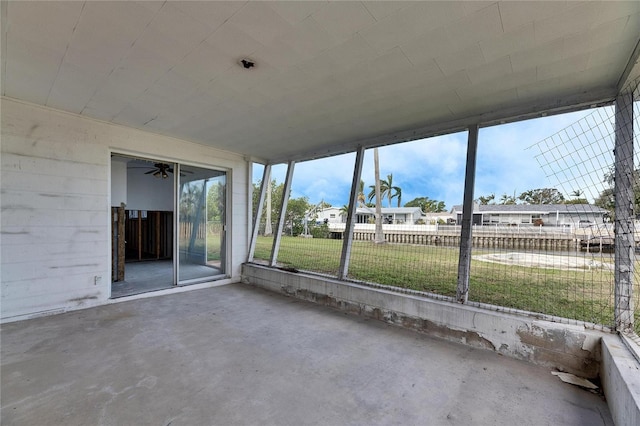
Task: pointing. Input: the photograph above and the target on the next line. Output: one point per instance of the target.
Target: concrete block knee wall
(620, 374)
(564, 347)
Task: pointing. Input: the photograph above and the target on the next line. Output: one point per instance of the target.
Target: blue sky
(435, 167)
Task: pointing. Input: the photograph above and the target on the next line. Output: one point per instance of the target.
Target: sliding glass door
(202, 224)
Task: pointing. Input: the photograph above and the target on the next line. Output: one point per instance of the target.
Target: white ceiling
(329, 75)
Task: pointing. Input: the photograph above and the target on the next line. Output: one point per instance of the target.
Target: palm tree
(387, 190)
(398, 194)
(361, 199)
(507, 199)
(344, 211)
(379, 235)
(486, 199)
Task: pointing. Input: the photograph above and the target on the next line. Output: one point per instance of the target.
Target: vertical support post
(347, 241)
(624, 203)
(283, 212)
(121, 242)
(139, 234)
(264, 187)
(464, 261)
(178, 186)
(157, 229)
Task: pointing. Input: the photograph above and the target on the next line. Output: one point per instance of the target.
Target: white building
(390, 215)
(330, 215)
(578, 215)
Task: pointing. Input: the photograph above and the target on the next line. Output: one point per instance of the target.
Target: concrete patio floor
(238, 355)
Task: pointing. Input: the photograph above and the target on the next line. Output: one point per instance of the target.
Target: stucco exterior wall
(56, 237)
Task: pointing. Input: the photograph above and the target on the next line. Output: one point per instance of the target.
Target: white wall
(326, 214)
(146, 192)
(118, 182)
(55, 182)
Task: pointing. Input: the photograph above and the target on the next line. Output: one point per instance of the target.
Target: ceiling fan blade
(150, 171)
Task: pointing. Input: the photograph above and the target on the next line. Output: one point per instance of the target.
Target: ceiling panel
(515, 14)
(343, 20)
(328, 75)
(31, 71)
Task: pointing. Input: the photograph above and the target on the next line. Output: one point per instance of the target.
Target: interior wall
(118, 182)
(56, 245)
(146, 192)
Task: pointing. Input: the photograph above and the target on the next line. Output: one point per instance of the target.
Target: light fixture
(247, 63)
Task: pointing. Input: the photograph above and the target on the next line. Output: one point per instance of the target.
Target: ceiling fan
(162, 170)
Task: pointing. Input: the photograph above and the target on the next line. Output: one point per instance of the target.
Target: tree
(344, 210)
(271, 206)
(268, 209)
(508, 199)
(379, 235)
(297, 208)
(191, 200)
(387, 189)
(215, 202)
(361, 198)
(577, 201)
(542, 196)
(486, 199)
(398, 195)
(606, 198)
(577, 198)
(427, 205)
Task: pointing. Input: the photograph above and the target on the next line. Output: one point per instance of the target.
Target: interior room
(143, 207)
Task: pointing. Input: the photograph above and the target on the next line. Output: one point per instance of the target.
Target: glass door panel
(202, 216)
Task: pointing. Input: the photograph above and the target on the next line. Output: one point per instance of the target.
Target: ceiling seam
(120, 60)
(184, 56)
(66, 50)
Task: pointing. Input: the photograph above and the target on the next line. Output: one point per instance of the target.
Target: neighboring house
(580, 215)
(396, 215)
(434, 218)
(330, 214)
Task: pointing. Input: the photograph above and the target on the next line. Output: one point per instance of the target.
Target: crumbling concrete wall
(569, 348)
(620, 373)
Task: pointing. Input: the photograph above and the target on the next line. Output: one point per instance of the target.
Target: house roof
(533, 208)
(328, 76)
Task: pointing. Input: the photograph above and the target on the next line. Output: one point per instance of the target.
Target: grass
(213, 241)
(585, 295)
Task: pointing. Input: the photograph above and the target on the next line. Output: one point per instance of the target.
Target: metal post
(464, 262)
(264, 187)
(624, 200)
(351, 216)
(283, 212)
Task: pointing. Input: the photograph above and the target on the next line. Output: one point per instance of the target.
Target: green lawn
(582, 295)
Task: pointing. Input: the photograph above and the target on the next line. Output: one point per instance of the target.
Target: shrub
(320, 231)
